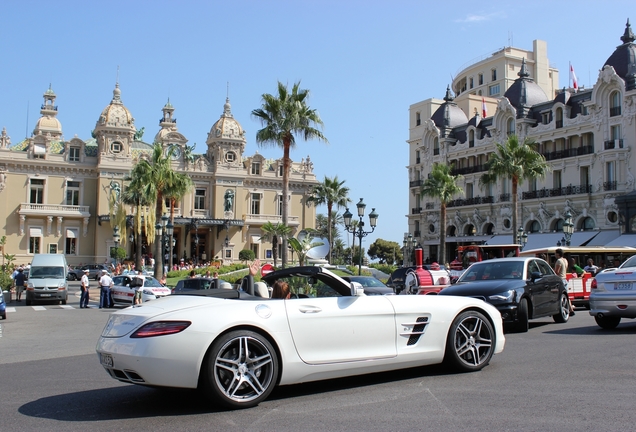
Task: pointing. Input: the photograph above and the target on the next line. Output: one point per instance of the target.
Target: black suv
(94, 271)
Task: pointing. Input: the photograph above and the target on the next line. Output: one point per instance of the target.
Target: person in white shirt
(85, 284)
(590, 267)
(105, 283)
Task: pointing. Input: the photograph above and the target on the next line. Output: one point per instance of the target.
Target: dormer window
(256, 168)
(615, 104)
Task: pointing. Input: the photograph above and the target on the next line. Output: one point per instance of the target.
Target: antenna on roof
(117, 80)
(228, 90)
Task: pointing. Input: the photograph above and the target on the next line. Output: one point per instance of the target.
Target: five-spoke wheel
(471, 342)
(241, 369)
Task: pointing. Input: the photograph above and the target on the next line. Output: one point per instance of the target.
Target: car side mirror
(535, 275)
(356, 289)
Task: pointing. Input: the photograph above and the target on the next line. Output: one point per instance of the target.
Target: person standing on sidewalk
(105, 282)
(20, 280)
(84, 296)
(561, 268)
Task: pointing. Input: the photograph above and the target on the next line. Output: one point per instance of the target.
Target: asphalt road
(562, 377)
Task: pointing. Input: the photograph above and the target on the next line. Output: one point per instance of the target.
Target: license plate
(106, 360)
(45, 295)
(623, 286)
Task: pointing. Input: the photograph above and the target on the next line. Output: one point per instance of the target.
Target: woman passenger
(280, 290)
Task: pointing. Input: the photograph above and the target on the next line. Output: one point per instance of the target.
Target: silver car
(613, 295)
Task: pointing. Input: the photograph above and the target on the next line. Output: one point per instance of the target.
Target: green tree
(155, 179)
(246, 255)
(133, 196)
(442, 185)
(274, 233)
(181, 186)
(388, 252)
(283, 116)
(517, 162)
(330, 192)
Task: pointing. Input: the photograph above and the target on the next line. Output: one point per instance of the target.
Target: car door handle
(309, 309)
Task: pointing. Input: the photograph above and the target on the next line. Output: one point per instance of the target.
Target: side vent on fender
(417, 330)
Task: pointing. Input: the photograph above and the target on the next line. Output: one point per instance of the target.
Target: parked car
(521, 288)
(199, 283)
(240, 347)
(122, 292)
(3, 306)
(613, 295)
(94, 271)
(47, 279)
(371, 285)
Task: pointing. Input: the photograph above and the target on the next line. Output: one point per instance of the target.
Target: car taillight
(161, 328)
(593, 284)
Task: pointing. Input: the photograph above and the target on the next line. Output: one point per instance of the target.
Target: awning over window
(256, 239)
(39, 149)
(624, 240)
(71, 233)
(35, 232)
(603, 238)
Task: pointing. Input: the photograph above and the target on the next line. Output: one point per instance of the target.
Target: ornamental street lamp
(165, 229)
(116, 240)
(359, 230)
(409, 243)
(522, 238)
(568, 228)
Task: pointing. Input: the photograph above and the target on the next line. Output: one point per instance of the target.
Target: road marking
(66, 307)
(10, 309)
(38, 308)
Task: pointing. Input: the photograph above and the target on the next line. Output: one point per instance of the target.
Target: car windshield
(631, 262)
(492, 270)
(151, 282)
(366, 281)
(47, 273)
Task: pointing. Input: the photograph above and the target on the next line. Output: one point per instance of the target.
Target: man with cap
(105, 283)
(84, 296)
(20, 280)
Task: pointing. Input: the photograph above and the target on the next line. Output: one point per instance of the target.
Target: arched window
(436, 146)
(588, 224)
(489, 229)
(450, 231)
(535, 226)
(615, 104)
(471, 138)
(510, 126)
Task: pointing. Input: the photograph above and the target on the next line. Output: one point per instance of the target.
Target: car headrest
(260, 289)
(226, 285)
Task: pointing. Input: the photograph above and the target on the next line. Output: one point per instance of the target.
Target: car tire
(521, 326)
(470, 343)
(4, 316)
(240, 357)
(63, 301)
(564, 309)
(607, 323)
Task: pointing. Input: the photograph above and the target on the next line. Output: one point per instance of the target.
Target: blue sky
(364, 62)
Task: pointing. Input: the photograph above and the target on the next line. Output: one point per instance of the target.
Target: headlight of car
(504, 297)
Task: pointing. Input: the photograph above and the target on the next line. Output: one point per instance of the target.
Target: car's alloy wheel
(241, 370)
(471, 342)
(608, 323)
(564, 309)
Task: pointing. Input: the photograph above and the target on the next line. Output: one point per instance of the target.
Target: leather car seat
(260, 289)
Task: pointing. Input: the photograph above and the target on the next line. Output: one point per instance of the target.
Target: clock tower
(226, 140)
(114, 131)
(170, 139)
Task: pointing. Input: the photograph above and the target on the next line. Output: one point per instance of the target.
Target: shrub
(246, 255)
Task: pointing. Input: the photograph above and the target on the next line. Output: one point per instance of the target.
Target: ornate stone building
(54, 193)
(587, 137)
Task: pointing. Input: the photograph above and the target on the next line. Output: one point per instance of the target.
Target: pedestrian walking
(105, 283)
(561, 268)
(20, 281)
(85, 285)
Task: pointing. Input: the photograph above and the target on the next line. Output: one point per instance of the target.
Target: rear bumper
(613, 305)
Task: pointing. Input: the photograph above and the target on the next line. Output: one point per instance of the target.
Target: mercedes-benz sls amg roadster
(237, 345)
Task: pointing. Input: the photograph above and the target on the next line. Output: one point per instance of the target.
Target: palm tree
(517, 162)
(156, 179)
(330, 192)
(283, 116)
(274, 232)
(182, 185)
(133, 196)
(442, 185)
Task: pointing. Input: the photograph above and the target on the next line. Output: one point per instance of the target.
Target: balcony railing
(415, 183)
(471, 201)
(612, 144)
(559, 124)
(615, 111)
(504, 197)
(562, 191)
(470, 169)
(417, 160)
(54, 210)
(430, 205)
(262, 218)
(435, 151)
(610, 186)
(201, 213)
(573, 152)
(417, 234)
(416, 210)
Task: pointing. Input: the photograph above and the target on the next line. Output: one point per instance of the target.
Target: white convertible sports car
(239, 345)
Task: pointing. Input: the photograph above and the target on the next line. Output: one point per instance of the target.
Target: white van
(47, 279)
